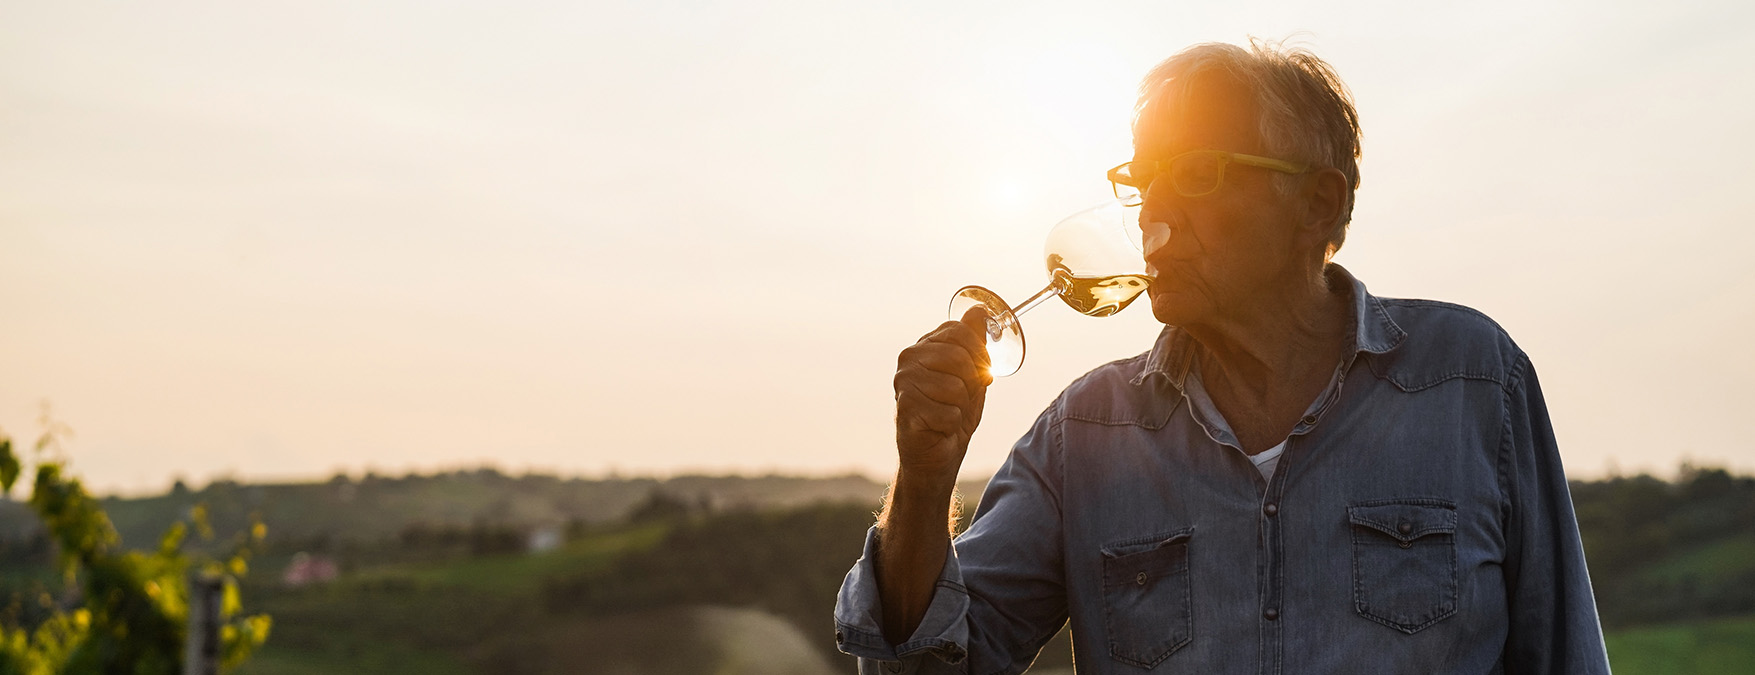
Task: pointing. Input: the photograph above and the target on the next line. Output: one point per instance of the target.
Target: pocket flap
(1405, 520)
(1127, 547)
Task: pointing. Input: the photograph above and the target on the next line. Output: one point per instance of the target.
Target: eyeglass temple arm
(1268, 163)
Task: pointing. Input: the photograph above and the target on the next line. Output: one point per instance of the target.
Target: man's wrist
(918, 505)
(923, 490)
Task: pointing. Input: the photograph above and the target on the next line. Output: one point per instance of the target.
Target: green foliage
(9, 466)
(42, 651)
(135, 605)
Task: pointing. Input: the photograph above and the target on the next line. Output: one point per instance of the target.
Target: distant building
(306, 569)
(545, 538)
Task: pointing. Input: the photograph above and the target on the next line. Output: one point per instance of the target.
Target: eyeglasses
(1197, 173)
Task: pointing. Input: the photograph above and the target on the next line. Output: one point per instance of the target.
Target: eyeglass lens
(1191, 175)
(1196, 174)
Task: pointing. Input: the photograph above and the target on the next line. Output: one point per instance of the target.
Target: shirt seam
(1115, 422)
(1509, 526)
(1057, 458)
(1411, 387)
(1057, 439)
(1040, 641)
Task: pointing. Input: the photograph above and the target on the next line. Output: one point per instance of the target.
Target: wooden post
(201, 657)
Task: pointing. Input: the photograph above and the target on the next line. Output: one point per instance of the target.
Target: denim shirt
(1418, 522)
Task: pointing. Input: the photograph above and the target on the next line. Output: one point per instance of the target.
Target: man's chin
(1172, 310)
(1164, 308)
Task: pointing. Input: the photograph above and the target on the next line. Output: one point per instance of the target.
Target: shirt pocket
(1146, 600)
(1404, 561)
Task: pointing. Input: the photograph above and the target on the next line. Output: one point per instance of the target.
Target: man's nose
(1154, 230)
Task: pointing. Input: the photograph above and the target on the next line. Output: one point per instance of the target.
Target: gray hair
(1307, 114)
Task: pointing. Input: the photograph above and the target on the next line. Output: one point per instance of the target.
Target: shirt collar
(1373, 331)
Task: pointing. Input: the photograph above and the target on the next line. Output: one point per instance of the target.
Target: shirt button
(1270, 509)
(1140, 578)
(1404, 528)
(1271, 614)
(1310, 419)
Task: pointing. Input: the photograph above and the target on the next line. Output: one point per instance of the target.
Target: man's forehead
(1211, 111)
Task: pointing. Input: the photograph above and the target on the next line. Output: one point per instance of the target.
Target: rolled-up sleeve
(1553, 616)
(1001, 594)
(943, 632)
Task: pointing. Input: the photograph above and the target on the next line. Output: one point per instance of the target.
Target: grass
(1719, 647)
(382, 658)
(522, 575)
(1726, 558)
(441, 617)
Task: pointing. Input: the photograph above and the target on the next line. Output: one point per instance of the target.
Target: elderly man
(1299, 477)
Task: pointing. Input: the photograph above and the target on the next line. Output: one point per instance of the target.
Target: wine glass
(1094, 265)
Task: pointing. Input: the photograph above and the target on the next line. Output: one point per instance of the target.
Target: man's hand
(941, 385)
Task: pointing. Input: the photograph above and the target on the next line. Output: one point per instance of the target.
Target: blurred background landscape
(530, 328)
(481, 572)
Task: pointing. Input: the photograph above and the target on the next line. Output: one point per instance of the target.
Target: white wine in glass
(1094, 265)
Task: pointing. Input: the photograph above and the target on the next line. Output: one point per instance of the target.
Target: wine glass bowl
(1094, 266)
(1099, 241)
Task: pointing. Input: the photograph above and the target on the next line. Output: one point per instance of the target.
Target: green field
(438, 617)
(385, 658)
(519, 575)
(1727, 558)
(1717, 647)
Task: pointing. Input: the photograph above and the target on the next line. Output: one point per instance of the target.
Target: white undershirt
(1266, 460)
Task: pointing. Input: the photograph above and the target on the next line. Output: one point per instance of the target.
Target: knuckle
(938, 333)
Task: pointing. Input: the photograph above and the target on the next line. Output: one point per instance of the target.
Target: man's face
(1227, 250)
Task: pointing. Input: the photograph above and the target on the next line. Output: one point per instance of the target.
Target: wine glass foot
(1004, 338)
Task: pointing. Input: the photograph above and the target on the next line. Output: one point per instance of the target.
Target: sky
(280, 240)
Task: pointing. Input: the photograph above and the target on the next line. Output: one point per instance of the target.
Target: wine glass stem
(1034, 300)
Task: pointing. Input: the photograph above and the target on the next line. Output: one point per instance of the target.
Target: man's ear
(1325, 202)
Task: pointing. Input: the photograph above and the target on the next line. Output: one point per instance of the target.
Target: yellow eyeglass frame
(1123, 173)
